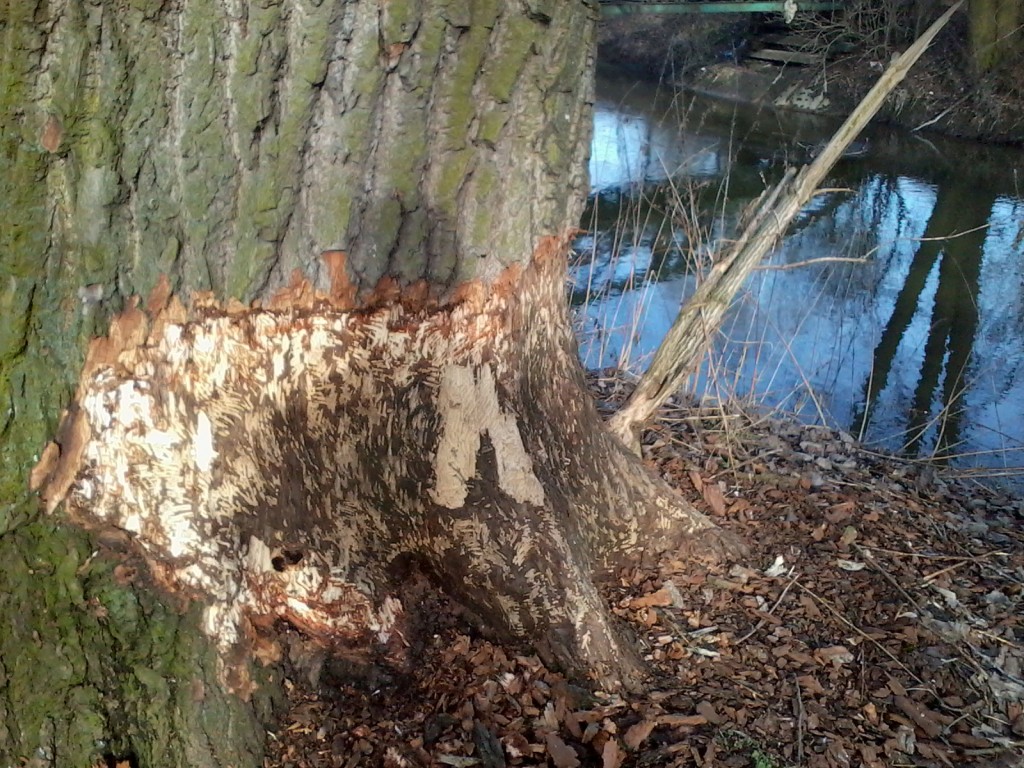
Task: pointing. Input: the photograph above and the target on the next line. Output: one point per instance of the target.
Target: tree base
(277, 461)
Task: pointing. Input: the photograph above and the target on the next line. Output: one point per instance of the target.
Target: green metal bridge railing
(612, 8)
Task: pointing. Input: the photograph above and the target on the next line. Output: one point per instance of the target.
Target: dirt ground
(940, 94)
(877, 621)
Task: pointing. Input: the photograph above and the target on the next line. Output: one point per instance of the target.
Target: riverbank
(940, 94)
(877, 620)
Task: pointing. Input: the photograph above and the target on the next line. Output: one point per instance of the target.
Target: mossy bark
(345, 225)
(91, 665)
(995, 31)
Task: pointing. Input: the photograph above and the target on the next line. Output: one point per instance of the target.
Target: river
(906, 327)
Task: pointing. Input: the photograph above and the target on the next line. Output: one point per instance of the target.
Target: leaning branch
(701, 316)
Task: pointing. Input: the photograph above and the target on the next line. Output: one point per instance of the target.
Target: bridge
(612, 8)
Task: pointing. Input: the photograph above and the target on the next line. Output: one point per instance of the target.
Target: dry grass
(675, 225)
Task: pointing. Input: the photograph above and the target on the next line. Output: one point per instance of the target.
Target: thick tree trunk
(348, 221)
(281, 461)
(995, 31)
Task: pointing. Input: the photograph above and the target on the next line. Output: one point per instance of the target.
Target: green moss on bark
(399, 22)
(332, 208)
(89, 665)
(456, 91)
(511, 50)
(92, 668)
(268, 198)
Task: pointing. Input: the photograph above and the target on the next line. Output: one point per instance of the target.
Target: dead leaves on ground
(877, 622)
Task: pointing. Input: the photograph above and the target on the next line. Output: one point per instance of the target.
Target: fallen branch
(702, 315)
(771, 612)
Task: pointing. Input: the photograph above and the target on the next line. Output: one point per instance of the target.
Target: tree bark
(995, 31)
(326, 242)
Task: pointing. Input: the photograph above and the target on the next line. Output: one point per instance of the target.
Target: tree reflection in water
(919, 348)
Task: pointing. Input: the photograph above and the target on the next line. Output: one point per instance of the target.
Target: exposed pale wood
(327, 240)
(341, 443)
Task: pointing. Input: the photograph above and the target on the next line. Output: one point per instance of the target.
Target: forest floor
(877, 621)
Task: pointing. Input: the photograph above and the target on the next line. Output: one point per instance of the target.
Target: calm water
(918, 346)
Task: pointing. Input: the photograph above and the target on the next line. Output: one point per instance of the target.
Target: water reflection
(916, 347)
(631, 148)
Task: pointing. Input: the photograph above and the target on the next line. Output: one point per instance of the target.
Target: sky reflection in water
(929, 324)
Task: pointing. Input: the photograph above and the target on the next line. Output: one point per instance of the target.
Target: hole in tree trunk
(285, 560)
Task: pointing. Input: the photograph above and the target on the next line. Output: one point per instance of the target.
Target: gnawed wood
(275, 463)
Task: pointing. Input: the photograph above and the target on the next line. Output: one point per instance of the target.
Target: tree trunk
(995, 31)
(329, 241)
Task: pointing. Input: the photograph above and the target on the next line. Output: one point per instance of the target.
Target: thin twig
(800, 716)
(935, 119)
(932, 576)
(997, 639)
(955, 558)
(941, 114)
(811, 262)
(771, 612)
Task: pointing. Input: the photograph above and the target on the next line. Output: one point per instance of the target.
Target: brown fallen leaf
(714, 497)
(707, 709)
(637, 733)
(969, 741)
(836, 654)
(810, 684)
(897, 687)
(923, 717)
(660, 598)
(561, 754)
(738, 507)
(839, 512)
(697, 480)
(612, 755)
(871, 713)
(516, 745)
